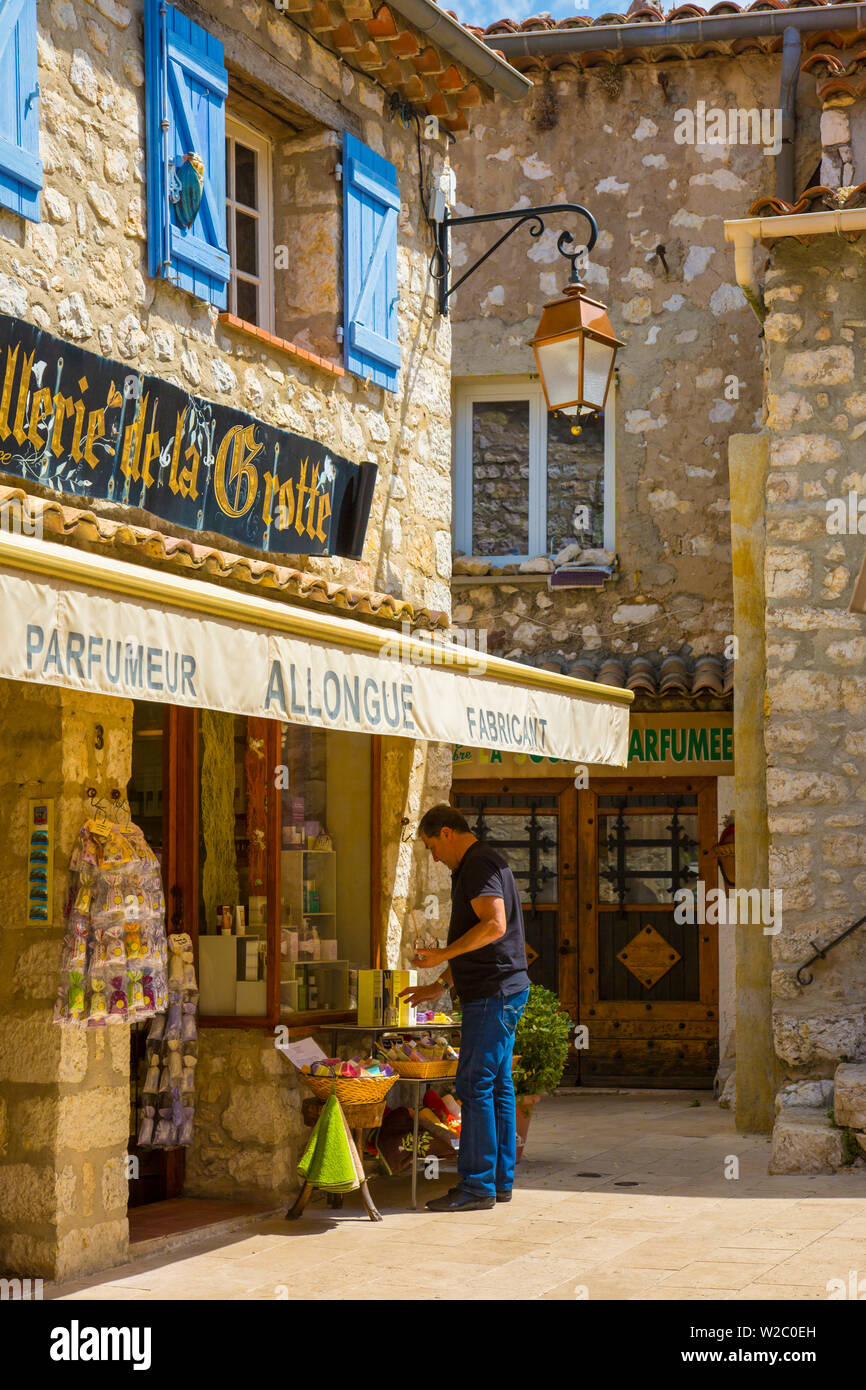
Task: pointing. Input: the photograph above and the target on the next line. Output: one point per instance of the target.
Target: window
(248, 224)
(285, 876)
(526, 481)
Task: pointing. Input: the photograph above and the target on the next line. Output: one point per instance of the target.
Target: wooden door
(648, 990)
(533, 823)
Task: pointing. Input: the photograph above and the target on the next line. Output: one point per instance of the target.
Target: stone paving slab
(620, 1196)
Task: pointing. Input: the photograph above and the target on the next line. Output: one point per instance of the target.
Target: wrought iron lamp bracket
(518, 218)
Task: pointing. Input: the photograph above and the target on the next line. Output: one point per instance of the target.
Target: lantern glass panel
(597, 359)
(559, 365)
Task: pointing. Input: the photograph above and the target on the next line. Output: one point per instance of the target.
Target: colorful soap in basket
(359, 1068)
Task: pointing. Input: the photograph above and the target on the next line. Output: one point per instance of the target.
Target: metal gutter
(744, 232)
(476, 55)
(161, 589)
(712, 29)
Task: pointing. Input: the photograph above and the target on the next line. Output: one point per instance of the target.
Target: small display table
(378, 1031)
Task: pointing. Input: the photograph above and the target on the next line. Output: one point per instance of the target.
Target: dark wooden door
(648, 984)
(533, 823)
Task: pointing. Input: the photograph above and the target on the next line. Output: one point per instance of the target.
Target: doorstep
(186, 1220)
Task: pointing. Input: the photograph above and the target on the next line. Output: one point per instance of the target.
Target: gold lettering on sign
(241, 441)
(40, 410)
(79, 422)
(183, 480)
(63, 406)
(95, 431)
(23, 390)
(324, 513)
(8, 382)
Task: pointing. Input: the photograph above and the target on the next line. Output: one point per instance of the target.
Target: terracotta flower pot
(524, 1107)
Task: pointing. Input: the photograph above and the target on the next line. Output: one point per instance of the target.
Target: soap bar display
(113, 962)
(425, 1049)
(358, 1067)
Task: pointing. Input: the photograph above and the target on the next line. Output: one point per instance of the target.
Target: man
(486, 966)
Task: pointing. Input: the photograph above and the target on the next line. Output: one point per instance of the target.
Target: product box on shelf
(378, 998)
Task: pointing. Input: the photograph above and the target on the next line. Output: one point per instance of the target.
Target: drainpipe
(743, 233)
(792, 47)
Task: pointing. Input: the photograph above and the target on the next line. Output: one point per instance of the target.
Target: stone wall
(82, 272)
(814, 733)
(64, 1094)
(690, 372)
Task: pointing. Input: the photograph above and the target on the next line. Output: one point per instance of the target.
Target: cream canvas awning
(104, 626)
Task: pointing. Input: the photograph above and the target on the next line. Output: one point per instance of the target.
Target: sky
(484, 12)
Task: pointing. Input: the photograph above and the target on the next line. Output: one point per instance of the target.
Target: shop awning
(103, 626)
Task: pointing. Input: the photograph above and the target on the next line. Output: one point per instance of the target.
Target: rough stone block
(29, 1049)
(850, 1098)
(97, 1118)
(88, 1248)
(27, 1195)
(804, 1141)
(805, 1094)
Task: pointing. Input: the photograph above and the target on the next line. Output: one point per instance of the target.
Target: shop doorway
(534, 824)
(648, 983)
(597, 870)
(154, 1174)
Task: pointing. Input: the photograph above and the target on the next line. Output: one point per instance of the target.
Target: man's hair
(434, 821)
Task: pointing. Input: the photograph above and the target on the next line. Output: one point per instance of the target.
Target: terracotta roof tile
(817, 199)
(376, 38)
(70, 525)
(641, 12)
(655, 676)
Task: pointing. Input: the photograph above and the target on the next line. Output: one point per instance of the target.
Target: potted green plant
(540, 1051)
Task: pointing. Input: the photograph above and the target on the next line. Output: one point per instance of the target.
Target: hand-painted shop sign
(92, 428)
(665, 745)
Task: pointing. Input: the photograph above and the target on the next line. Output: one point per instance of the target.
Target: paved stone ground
(619, 1196)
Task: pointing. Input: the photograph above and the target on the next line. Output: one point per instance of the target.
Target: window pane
(325, 876)
(246, 239)
(575, 479)
(500, 478)
(233, 859)
(247, 301)
(647, 857)
(246, 190)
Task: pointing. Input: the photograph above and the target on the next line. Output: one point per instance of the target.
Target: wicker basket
(351, 1090)
(425, 1071)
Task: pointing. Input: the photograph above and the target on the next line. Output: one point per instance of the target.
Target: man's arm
(491, 926)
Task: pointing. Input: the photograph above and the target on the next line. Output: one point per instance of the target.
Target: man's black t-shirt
(483, 873)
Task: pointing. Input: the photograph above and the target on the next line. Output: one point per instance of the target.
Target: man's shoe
(461, 1201)
(504, 1196)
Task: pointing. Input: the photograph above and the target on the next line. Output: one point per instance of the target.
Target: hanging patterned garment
(167, 1110)
(113, 965)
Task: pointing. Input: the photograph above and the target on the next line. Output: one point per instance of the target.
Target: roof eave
(476, 55)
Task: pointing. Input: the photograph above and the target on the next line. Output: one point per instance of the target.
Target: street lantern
(575, 349)
(574, 345)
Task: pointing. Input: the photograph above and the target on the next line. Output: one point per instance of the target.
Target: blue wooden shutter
(371, 202)
(20, 166)
(185, 78)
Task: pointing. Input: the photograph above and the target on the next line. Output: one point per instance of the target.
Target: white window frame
(237, 130)
(477, 390)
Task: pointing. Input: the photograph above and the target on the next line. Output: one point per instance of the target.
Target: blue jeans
(488, 1143)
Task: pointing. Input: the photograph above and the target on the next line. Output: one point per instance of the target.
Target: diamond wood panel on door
(648, 985)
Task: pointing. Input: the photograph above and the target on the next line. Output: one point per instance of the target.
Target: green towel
(331, 1160)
